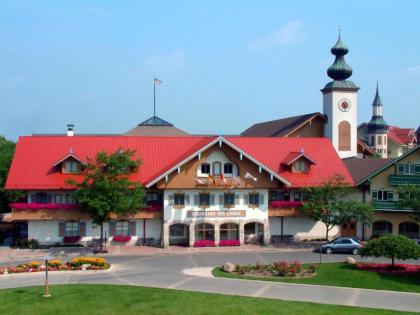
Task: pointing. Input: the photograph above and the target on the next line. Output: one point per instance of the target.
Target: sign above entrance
(216, 214)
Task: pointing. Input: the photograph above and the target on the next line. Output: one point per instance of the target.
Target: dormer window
(205, 168)
(300, 166)
(71, 166)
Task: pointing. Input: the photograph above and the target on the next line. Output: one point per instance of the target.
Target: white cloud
(288, 34)
(166, 62)
(413, 71)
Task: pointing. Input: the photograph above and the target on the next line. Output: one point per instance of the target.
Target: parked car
(342, 245)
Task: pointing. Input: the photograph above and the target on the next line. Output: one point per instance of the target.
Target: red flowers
(400, 269)
(71, 239)
(204, 243)
(38, 206)
(229, 243)
(285, 204)
(121, 239)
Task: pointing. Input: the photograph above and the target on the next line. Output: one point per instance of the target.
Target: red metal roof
(32, 166)
(402, 135)
(33, 162)
(273, 151)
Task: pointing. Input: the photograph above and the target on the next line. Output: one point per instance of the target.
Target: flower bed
(229, 243)
(71, 239)
(204, 243)
(121, 238)
(277, 269)
(400, 269)
(79, 263)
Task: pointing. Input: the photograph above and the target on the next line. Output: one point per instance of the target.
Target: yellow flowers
(55, 263)
(94, 261)
(34, 264)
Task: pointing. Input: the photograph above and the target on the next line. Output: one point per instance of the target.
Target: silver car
(342, 245)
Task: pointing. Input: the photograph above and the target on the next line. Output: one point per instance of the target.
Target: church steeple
(377, 104)
(339, 70)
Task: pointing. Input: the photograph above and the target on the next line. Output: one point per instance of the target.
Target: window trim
(224, 168)
(179, 205)
(201, 168)
(122, 222)
(73, 223)
(199, 200)
(253, 205)
(230, 205)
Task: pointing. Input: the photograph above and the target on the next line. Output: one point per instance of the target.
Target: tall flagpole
(154, 97)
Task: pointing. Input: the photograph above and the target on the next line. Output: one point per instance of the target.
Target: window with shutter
(132, 228)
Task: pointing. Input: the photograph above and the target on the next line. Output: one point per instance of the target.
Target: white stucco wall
(302, 228)
(173, 214)
(335, 116)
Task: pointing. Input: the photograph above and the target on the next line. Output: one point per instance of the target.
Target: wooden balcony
(284, 208)
(394, 206)
(404, 180)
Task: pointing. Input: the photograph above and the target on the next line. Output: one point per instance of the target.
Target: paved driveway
(166, 271)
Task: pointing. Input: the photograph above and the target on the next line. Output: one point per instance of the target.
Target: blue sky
(224, 64)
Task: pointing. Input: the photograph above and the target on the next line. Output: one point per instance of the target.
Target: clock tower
(340, 104)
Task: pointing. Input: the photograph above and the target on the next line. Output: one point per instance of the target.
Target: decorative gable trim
(209, 145)
(70, 155)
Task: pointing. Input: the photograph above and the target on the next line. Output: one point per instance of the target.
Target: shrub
(280, 268)
(403, 269)
(312, 268)
(392, 247)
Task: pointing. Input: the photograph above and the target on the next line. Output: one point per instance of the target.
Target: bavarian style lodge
(200, 190)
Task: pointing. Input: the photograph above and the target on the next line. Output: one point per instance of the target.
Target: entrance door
(348, 229)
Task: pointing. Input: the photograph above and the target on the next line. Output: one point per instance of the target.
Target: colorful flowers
(121, 238)
(79, 263)
(388, 268)
(229, 243)
(204, 243)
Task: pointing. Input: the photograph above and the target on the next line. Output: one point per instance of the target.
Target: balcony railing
(389, 205)
(280, 208)
(216, 181)
(403, 179)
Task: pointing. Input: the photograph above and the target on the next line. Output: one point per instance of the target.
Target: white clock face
(344, 105)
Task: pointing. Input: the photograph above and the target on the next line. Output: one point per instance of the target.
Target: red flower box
(71, 239)
(121, 239)
(229, 243)
(400, 269)
(204, 243)
(285, 204)
(38, 206)
(154, 207)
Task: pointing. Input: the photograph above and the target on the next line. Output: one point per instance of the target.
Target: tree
(7, 149)
(410, 195)
(106, 188)
(392, 246)
(327, 203)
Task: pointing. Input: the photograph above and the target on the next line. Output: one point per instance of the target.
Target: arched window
(229, 231)
(344, 136)
(204, 232)
(380, 228)
(409, 229)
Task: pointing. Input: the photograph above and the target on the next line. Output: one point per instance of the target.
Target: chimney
(70, 131)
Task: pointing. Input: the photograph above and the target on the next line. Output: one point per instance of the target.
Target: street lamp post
(47, 293)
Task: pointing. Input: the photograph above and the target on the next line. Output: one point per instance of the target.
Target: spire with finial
(377, 123)
(377, 103)
(339, 70)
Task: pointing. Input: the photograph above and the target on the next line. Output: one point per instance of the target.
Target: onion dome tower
(378, 128)
(340, 104)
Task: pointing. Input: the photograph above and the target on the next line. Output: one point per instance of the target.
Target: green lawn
(344, 275)
(121, 300)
